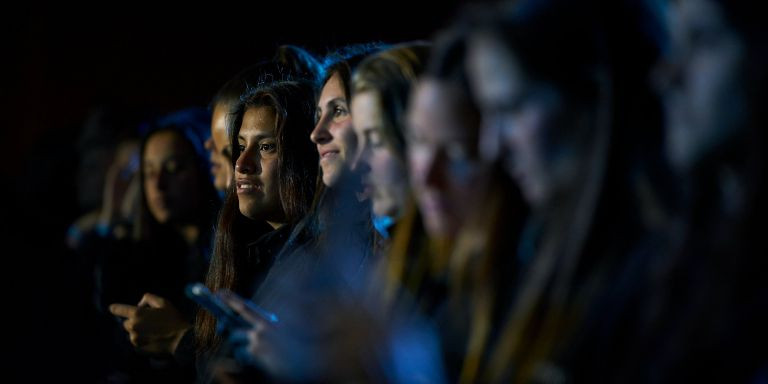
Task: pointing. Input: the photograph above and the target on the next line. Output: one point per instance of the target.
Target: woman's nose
(321, 134)
(246, 164)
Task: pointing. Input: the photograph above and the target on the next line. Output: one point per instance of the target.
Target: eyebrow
(334, 101)
(257, 137)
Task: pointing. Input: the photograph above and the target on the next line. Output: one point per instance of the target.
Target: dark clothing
(261, 255)
(163, 268)
(320, 259)
(124, 271)
(325, 261)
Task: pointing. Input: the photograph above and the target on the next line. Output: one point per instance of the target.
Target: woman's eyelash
(267, 146)
(338, 110)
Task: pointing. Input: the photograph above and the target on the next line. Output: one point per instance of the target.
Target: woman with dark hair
(275, 172)
(574, 123)
(271, 187)
(170, 245)
(333, 134)
(340, 215)
(328, 255)
(289, 62)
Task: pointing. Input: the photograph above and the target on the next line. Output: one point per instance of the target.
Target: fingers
(142, 342)
(244, 356)
(123, 310)
(151, 300)
(246, 345)
(152, 326)
(134, 339)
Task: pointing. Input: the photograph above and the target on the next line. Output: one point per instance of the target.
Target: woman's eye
(267, 147)
(339, 111)
(241, 148)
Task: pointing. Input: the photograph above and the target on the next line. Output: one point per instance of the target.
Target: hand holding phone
(246, 308)
(228, 307)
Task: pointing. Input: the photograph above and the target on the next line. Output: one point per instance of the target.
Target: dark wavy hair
(290, 62)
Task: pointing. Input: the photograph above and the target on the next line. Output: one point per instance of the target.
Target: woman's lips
(329, 154)
(247, 186)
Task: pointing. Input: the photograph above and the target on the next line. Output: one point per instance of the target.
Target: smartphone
(203, 296)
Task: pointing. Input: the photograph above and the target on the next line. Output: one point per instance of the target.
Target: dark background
(61, 61)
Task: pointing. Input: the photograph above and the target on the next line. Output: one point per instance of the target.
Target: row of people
(511, 202)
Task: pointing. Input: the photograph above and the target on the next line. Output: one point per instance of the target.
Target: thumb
(153, 301)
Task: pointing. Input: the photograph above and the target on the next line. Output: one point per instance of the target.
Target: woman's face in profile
(702, 83)
(219, 148)
(382, 170)
(333, 133)
(445, 172)
(256, 170)
(521, 119)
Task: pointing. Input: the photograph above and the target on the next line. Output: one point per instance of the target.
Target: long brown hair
(293, 105)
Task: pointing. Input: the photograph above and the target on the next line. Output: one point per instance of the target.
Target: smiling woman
(333, 133)
(256, 168)
(276, 169)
